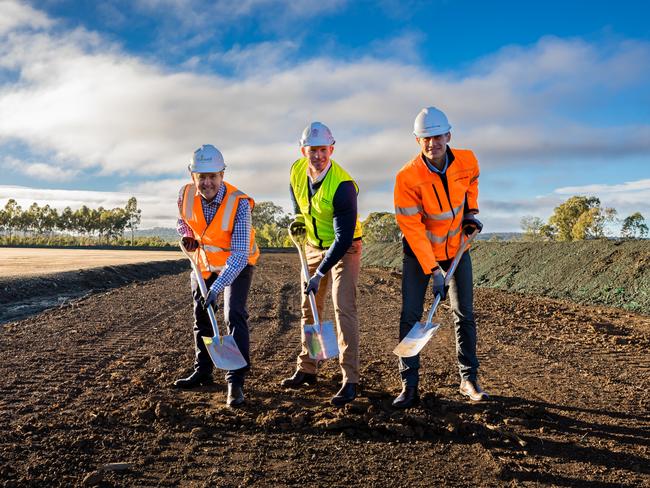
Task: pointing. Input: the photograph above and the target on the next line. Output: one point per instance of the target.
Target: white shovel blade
(416, 339)
(321, 341)
(225, 355)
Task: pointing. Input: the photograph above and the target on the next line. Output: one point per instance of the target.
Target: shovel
(223, 350)
(320, 338)
(420, 333)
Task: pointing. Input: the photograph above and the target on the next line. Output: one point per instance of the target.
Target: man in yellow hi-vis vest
(325, 203)
(217, 216)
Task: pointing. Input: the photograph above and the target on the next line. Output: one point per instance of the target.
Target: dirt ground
(25, 261)
(85, 396)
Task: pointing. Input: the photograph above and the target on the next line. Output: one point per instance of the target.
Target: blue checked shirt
(239, 243)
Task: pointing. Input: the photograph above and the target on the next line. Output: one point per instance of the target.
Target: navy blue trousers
(461, 296)
(235, 310)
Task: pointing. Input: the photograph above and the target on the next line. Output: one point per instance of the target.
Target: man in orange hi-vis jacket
(436, 201)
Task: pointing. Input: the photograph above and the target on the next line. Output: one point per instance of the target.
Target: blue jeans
(461, 296)
(235, 310)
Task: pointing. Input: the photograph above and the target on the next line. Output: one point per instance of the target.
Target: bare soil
(25, 261)
(86, 397)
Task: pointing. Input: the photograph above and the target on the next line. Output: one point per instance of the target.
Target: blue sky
(103, 100)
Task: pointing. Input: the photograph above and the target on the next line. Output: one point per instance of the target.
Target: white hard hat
(430, 122)
(316, 134)
(207, 159)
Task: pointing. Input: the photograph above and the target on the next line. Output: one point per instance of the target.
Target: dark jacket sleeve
(296, 208)
(345, 220)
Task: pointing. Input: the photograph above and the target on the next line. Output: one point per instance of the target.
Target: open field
(24, 261)
(88, 384)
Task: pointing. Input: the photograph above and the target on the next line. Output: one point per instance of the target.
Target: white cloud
(91, 106)
(626, 198)
(16, 15)
(40, 171)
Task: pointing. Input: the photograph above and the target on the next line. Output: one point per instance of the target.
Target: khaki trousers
(344, 276)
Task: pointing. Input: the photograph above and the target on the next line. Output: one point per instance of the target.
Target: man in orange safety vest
(436, 202)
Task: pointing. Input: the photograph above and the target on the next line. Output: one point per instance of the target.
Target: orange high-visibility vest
(215, 238)
(428, 215)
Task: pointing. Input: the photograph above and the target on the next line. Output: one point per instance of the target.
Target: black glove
(438, 284)
(312, 284)
(297, 227)
(190, 244)
(210, 300)
(470, 224)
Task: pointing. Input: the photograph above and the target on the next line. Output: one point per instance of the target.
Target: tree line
(99, 224)
(580, 218)
(577, 218)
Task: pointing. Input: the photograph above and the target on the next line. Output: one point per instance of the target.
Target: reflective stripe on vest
(441, 239)
(229, 208)
(439, 216)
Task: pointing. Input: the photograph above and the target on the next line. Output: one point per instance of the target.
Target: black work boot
(346, 394)
(235, 395)
(298, 379)
(194, 380)
(408, 398)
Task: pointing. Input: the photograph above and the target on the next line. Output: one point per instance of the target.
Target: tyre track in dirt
(99, 392)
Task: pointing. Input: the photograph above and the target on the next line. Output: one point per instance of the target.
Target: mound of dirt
(615, 273)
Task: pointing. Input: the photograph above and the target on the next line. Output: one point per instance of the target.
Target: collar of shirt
(221, 192)
(432, 167)
(321, 176)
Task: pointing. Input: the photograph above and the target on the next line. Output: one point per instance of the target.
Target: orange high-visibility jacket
(428, 215)
(215, 238)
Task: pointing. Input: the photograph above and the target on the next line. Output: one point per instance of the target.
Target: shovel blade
(225, 355)
(321, 340)
(416, 339)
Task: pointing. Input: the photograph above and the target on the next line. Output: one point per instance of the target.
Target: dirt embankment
(595, 272)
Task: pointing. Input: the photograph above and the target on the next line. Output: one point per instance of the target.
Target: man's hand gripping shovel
(320, 336)
(223, 350)
(421, 333)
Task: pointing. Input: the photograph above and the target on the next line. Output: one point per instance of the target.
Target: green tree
(270, 223)
(133, 216)
(634, 224)
(12, 216)
(570, 213)
(32, 219)
(65, 220)
(380, 227)
(533, 228)
(269, 213)
(591, 223)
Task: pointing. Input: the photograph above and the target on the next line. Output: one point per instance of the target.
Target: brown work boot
(471, 389)
(298, 379)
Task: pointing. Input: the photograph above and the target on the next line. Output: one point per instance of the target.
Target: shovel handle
(305, 273)
(450, 272)
(203, 288)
